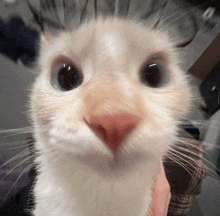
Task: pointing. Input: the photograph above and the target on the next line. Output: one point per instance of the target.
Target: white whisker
(15, 168)
(21, 174)
(19, 155)
(18, 130)
(13, 148)
(176, 161)
(17, 143)
(202, 158)
(181, 155)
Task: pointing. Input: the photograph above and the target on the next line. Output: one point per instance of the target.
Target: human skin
(160, 194)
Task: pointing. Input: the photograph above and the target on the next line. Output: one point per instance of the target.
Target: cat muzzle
(113, 129)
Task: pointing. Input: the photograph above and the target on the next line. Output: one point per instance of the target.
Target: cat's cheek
(182, 102)
(182, 94)
(39, 110)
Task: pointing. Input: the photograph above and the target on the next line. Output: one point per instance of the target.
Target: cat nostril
(113, 129)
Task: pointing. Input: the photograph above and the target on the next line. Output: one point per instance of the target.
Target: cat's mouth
(118, 164)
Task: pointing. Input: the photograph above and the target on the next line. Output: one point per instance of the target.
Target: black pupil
(152, 75)
(68, 77)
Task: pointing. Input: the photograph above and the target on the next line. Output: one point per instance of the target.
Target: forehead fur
(110, 38)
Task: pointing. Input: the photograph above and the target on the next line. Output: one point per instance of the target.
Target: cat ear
(46, 37)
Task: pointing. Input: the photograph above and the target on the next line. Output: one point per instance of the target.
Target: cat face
(110, 94)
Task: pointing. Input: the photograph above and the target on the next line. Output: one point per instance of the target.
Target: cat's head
(109, 94)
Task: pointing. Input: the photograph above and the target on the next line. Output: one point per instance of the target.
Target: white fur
(78, 174)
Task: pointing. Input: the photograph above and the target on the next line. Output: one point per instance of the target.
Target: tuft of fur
(78, 175)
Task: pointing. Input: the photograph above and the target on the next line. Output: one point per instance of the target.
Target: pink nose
(113, 129)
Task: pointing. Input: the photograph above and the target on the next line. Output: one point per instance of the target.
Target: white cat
(105, 108)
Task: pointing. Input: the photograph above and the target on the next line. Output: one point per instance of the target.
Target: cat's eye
(153, 73)
(66, 77)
